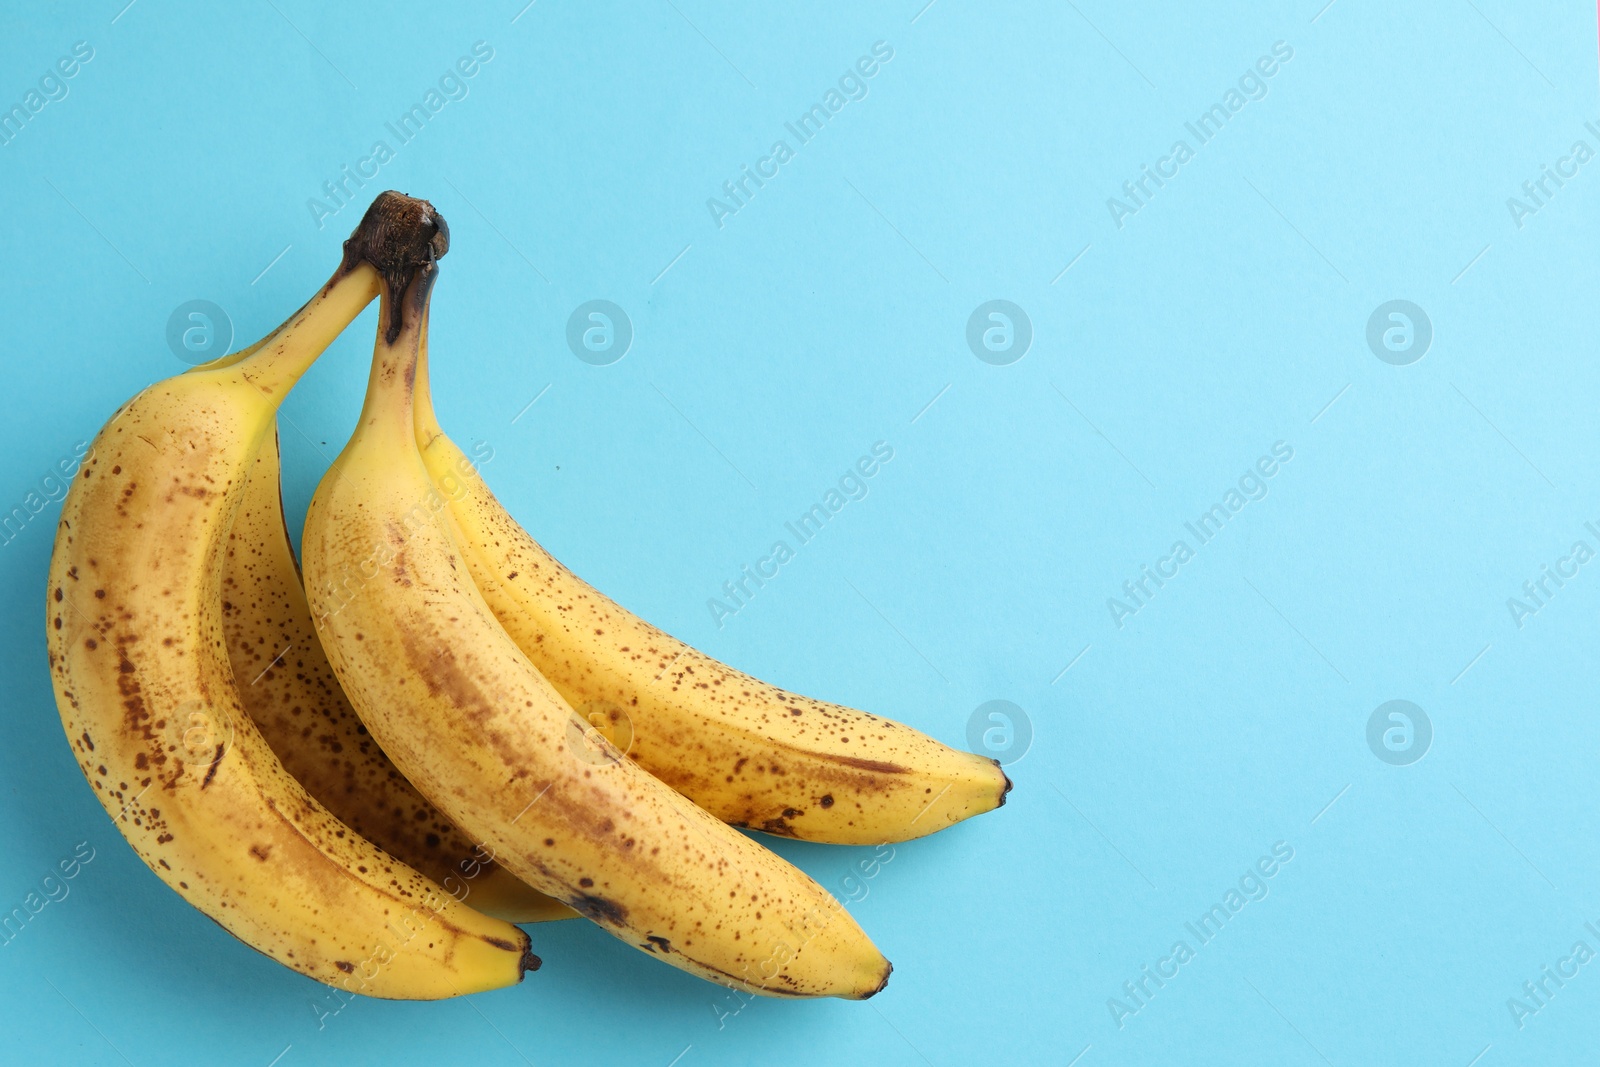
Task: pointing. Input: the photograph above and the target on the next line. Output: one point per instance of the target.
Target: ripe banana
(747, 752)
(479, 731)
(289, 691)
(148, 698)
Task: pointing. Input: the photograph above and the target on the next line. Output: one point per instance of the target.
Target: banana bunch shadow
(369, 763)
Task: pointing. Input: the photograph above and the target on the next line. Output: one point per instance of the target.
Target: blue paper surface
(1238, 370)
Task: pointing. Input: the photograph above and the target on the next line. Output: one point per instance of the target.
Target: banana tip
(529, 961)
(888, 969)
(1006, 789)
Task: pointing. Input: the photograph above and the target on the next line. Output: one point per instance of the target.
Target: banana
(290, 693)
(478, 730)
(748, 752)
(150, 704)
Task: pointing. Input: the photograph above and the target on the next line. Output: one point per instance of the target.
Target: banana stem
(426, 421)
(390, 405)
(397, 235)
(288, 353)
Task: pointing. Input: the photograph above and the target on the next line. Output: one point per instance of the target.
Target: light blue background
(1230, 313)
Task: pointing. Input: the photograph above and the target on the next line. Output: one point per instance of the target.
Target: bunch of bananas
(369, 774)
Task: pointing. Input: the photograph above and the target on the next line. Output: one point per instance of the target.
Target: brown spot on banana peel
(216, 761)
(875, 766)
(439, 671)
(743, 984)
(598, 909)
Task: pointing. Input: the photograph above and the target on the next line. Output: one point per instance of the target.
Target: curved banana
(476, 728)
(148, 698)
(748, 752)
(289, 691)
